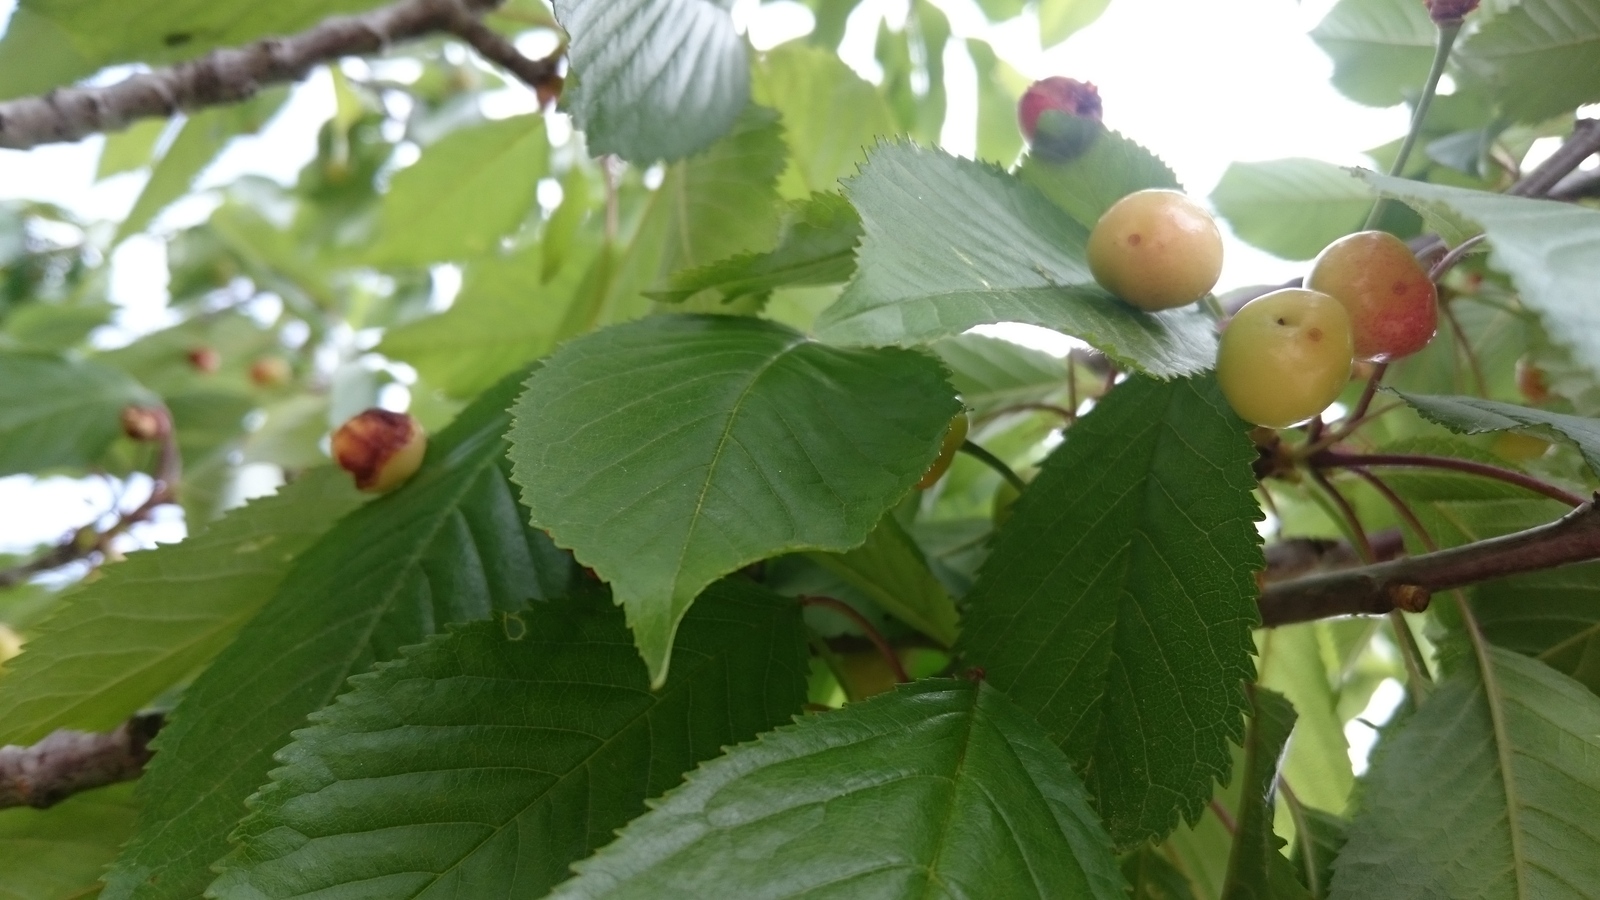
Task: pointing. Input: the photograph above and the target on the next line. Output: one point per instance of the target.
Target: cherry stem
(1456, 255)
(1329, 459)
(993, 462)
(871, 631)
(1441, 56)
(1224, 817)
(1416, 665)
(1460, 336)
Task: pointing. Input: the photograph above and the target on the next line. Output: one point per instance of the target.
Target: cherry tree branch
(1582, 144)
(1408, 583)
(67, 762)
(232, 74)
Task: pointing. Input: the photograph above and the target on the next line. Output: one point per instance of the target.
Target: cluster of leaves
(685, 389)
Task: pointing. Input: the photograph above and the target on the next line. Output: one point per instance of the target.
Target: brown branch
(1407, 583)
(232, 74)
(67, 762)
(1582, 144)
(1299, 556)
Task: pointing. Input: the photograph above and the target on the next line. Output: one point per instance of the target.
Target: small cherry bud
(1060, 117)
(145, 424)
(205, 360)
(1446, 12)
(382, 449)
(270, 372)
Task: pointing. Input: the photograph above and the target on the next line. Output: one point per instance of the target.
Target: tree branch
(1582, 144)
(229, 75)
(1408, 583)
(67, 762)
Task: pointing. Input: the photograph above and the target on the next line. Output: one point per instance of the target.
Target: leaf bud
(145, 423)
(382, 449)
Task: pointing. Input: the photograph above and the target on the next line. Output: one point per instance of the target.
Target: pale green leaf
(1381, 49)
(539, 737)
(1317, 765)
(992, 374)
(1060, 19)
(1516, 55)
(1474, 415)
(1108, 170)
(1291, 207)
(831, 115)
(942, 789)
(60, 414)
(656, 79)
(59, 853)
(1117, 603)
(129, 149)
(891, 569)
(951, 244)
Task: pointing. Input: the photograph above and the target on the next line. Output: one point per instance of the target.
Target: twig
(1583, 143)
(1299, 556)
(232, 74)
(1336, 460)
(67, 762)
(1580, 184)
(1409, 582)
(885, 649)
(1456, 255)
(543, 75)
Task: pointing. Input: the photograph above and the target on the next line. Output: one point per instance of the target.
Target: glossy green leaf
(1060, 19)
(1291, 207)
(831, 115)
(992, 374)
(671, 451)
(466, 192)
(1256, 868)
(59, 853)
(203, 136)
(1117, 603)
(449, 546)
(1551, 251)
(817, 246)
(891, 569)
(1381, 49)
(647, 91)
(939, 789)
(1512, 57)
(1086, 185)
(56, 413)
(951, 244)
(1474, 415)
(1505, 760)
(115, 643)
(489, 759)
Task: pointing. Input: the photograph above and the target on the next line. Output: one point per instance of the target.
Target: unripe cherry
(1393, 305)
(1284, 357)
(954, 437)
(1156, 249)
(382, 449)
(145, 423)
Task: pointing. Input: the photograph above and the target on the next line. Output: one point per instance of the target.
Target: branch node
(1411, 598)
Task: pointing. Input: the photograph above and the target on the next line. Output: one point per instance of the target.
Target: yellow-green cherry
(1284, 357)
(1156, 249)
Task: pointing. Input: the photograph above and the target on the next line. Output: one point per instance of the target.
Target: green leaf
(999, 86)
(541, 738)
(130, 149)
(59, 853)
(1256, 868)
(1291, 207)
(102, 32)
(1319, 836)
(1117, 604)
(817, 246)
(671, 451)
(1151, 877)
(465, 193)
(37, 54)
(1060, 19)
(1474, 415)
(1086, 185)
(1512, 58)
(830, 115)
(1381, 49)
(891, 569)
(56, 413)
(115, 643)
(1553, 615)
(940, 789)
(992, 374)
(449, 546)
(1503, 758)
(202, 137)
(1317, 764)
(1550, 250)
(952, 243)
(647, 92)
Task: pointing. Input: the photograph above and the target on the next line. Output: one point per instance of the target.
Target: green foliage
(1257, 870)
(951, 244)
(555, 690)
(57, 413)
(1085, 186)
(59, 853)
(1136, 536)
(634, 447)
(1380, 48)
(1512, 55)
(1471, 415)
(948, 755)
(890, 568)
(1291, 207)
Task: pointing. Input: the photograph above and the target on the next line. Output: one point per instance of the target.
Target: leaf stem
(1441, 56)
(1332, 459)
(885, 649)
(993, 462)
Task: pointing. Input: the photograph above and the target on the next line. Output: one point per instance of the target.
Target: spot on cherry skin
(1135, 240)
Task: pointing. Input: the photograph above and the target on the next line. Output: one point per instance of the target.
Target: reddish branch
(232, 74)
(67, 762)
(1332, 459)
(1408, 583)
(885, 649)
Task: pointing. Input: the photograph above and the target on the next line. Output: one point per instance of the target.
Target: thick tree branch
(1408, 583)
(67, 762)
(229, 75)
(1584, 143)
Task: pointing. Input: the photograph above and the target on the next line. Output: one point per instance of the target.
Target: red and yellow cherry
(1156, 249)
(1284, 357)
(954, 436)
(382, 449)
(1393, 305)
